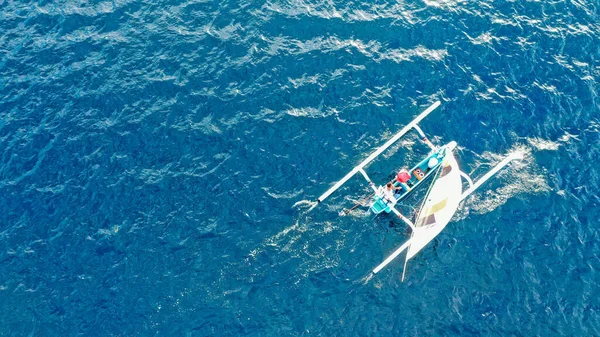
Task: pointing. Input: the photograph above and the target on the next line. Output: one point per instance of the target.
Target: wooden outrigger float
(442, 199)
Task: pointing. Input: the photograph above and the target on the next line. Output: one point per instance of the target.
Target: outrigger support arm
(368, 179)
(425, 140)
(379, 151)
(504, 162)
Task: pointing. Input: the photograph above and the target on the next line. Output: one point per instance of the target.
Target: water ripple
(159, 164)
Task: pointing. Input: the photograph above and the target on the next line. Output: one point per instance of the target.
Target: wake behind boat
(444, 194)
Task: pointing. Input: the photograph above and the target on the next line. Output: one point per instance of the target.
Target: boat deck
(418, 173)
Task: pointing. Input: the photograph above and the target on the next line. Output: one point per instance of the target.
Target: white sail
(440, 205)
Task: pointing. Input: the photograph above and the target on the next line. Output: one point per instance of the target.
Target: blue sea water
(160, 162)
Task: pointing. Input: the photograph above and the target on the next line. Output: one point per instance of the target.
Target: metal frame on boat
(443, 196)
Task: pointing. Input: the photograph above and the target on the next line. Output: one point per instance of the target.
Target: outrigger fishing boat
(443, 197)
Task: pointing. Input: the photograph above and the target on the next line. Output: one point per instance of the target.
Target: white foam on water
(297, 228)
(546, 144)
(285, 195)
(306, 203)
(526, 177)
(366, 279)
(542, 144)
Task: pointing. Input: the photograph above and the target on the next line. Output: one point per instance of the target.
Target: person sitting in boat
(403, 177)
(388, 193)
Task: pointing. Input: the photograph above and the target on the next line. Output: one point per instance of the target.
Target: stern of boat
(379, 205)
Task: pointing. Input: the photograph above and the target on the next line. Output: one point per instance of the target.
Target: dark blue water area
(160, 163)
